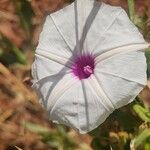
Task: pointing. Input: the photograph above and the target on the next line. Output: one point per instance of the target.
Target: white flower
(89, 61)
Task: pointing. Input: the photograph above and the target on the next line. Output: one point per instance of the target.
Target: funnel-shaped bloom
(89, 61)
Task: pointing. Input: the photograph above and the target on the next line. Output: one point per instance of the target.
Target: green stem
(131, 9)
(19, 55)
(143, 113)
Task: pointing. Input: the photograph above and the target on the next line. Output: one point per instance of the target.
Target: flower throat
(83, 66)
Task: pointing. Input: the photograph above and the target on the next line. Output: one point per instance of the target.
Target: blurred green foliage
(55, 139)
(25, 13)
(10, 53)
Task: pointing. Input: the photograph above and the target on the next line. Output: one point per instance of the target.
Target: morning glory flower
(89, 61)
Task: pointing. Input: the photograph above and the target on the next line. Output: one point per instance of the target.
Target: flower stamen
(83, 66)
(88, 70)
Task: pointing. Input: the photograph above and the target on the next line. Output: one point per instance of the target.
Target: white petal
(66, 109)
(131, 66)
(121, 50)
(80, 108)
(51, 88)
(71, 20)
(43, 67)
(119, 32)
(92, 111)
(105, 101)
(61, 60)
(119, 90)
(75, 28)
(51, 41)
(103, 17)
(118, 77)
(65, 24)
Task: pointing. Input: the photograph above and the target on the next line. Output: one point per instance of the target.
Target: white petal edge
(122, 49)
(120, 91)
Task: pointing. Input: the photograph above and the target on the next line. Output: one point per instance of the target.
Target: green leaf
(142, 112)
(36, 128)
(148, 70)
(25, 13)
(56, 139)
(131, 9)
(142, 137)
(147, 54)
(7, 45)
(147, 146)
(139, 21)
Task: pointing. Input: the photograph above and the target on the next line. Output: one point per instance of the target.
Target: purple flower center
(83, 66)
